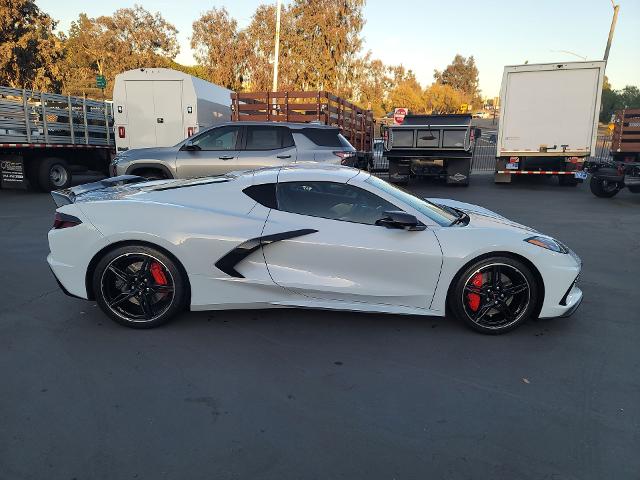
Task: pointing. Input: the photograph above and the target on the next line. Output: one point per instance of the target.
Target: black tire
(496, 309)
(603, 189)
(151, 174)
(567, 181)
(129, 289)
(634, 189)
(53, 174)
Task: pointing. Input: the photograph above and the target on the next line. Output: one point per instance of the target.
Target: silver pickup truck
(431, 145)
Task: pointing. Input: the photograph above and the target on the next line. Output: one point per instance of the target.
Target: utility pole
(616, 9)
(277, 51)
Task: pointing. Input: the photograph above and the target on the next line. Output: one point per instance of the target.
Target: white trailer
(549, 119)
(158, 107)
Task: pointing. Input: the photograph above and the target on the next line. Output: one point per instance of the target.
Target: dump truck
(622, 169)
(356, 124)
(431, 146)
(46, 137)
(549, 120)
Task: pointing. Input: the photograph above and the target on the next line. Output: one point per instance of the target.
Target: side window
(263, 138)
(335, 201)
(222, 138)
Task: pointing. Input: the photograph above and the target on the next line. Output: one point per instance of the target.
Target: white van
(159, 107)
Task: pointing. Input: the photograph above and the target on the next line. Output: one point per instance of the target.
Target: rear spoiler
(69, 195)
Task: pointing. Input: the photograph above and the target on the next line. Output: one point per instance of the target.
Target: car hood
(151, 152)
(482, 217)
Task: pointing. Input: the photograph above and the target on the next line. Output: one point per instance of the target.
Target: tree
(615, 100)
(406, 92)
(327, 42)
(130, 38)
(441, 99)
(462, 75)
(29, 50)
(371, 85)
(219, 48)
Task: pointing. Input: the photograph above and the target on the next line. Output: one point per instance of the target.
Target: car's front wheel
(139, 286)
(495, 295)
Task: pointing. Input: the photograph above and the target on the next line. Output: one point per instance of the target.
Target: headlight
(548, 243)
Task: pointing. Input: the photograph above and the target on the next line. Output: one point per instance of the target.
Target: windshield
(434, 212)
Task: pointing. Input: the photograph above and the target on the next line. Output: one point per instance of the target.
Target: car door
(213, 152)
(342, 254)
(265, 146)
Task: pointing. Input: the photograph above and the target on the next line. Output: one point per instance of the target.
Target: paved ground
(311, 394)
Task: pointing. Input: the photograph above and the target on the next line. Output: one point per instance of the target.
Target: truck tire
(634, 189)
(53, 174)
(602, 188)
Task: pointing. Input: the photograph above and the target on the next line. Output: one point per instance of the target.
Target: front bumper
(573, 301)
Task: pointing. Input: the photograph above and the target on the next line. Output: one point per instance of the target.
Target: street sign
(101, 81)
(399, 114)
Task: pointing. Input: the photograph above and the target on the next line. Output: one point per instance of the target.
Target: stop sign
(399, 114)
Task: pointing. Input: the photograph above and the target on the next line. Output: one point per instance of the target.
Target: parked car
(302, 236)
(236, 146)
(480, 115)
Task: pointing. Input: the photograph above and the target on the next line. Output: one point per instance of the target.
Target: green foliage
(462, 75)
(320, 49)
(614, 100)
(130, 38)
(29, 50)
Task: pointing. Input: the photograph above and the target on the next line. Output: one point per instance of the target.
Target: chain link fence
(484, 154)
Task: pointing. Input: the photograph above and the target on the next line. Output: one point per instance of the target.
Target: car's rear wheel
(139, 286)
(495, 295)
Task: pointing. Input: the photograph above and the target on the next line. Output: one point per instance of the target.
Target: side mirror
(190, 146)
(400, 220)
(477, 134)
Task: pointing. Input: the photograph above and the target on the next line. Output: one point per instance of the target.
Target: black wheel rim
(137, 287)
(496, 296)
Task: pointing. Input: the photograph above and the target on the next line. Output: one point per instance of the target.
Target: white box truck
(549, 119)
(158, 107)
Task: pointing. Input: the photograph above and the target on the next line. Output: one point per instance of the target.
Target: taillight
(344, 156)
(189, 131)
(62, 220)
(121, 132)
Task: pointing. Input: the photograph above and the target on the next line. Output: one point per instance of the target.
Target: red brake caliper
(158, 275)
(474, 298)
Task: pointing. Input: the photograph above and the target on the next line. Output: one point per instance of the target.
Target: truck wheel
(53, 174)
(634, 189)
(603, 188)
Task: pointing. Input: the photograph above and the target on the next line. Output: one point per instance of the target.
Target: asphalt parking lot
(311, 394)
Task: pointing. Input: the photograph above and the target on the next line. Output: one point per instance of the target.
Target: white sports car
(306, 236)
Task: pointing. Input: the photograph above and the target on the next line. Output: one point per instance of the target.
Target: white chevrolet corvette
(307, 236)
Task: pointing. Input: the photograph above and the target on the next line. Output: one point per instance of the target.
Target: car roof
(303, 172)
(292, 125)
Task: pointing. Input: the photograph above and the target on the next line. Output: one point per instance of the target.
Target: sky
(424, 35)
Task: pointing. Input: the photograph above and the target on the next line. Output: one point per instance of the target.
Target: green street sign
(101, 81)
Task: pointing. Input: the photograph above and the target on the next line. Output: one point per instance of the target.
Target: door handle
(226, 158)
(284, 156)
